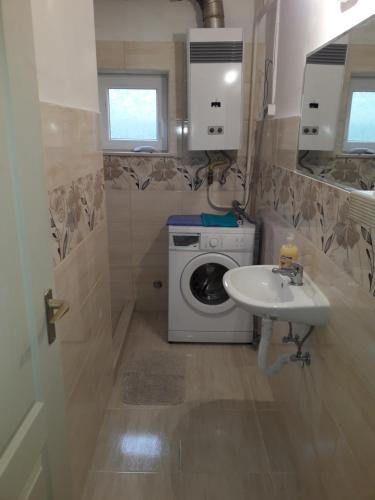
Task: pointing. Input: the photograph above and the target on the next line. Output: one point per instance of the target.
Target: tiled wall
(142, 191)
(330, 403)
(74, 177)
(327, 408)
(318, 210)
(141, 194)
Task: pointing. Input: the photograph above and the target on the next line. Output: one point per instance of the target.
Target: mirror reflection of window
(360, 123)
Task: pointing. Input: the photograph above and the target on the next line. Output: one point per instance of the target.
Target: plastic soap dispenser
(288, 252)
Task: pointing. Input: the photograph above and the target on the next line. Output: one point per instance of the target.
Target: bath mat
(155, 378)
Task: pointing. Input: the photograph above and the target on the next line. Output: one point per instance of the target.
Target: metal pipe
(265, 341)
(213, 13)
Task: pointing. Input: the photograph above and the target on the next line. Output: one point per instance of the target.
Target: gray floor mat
(155, 378)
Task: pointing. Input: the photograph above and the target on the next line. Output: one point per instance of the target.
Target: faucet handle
(297, 266)
(297, 279)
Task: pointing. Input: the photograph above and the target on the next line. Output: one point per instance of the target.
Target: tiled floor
(229, 440)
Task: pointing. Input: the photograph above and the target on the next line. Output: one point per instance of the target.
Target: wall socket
(313, 130)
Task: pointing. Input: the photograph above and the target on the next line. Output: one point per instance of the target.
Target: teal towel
(212, 220)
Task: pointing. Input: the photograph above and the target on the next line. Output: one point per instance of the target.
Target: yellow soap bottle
(288, 252)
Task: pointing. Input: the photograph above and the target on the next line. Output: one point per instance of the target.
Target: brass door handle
(55, 310)
(60, 306)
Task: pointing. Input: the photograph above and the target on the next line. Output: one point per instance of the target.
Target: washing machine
(199, 308)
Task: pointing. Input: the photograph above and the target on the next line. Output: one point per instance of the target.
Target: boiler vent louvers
(334, 54)
(216, 52)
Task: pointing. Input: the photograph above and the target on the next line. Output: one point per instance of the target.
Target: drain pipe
(301, 357)
(265, 339)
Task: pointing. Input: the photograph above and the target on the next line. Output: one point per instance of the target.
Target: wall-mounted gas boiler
(321, 100)
(215, 88)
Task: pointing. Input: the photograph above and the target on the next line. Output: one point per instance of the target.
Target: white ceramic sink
(269, 295)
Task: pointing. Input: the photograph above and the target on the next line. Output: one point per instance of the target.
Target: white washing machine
(199, 308)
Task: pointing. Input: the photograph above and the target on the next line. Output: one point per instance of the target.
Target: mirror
(337, 131)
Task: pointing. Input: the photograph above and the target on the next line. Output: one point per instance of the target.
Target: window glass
(134, 111)
(361, 127)
(133, 114)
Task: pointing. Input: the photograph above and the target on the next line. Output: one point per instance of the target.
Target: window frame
(132, 80)
(358, 83)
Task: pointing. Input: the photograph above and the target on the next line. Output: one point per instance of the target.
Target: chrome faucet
(294, 272)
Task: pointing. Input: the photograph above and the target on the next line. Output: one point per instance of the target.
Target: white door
(33, 463)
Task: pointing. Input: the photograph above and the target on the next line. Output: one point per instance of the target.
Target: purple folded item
(184, 220)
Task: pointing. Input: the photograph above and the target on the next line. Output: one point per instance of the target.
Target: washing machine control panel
(225, 242)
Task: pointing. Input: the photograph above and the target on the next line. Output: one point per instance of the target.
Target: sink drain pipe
(265, 340)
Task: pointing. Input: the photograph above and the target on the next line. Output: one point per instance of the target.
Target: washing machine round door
(202, 283)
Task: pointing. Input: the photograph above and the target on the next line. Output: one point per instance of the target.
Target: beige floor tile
(296, 486)
(115, 315)
(227, 486)
(279, 448)
(147, 331)
(292, 449)
(264, 398)
(139, 440)
(216, 441)
(216, 375)
(288, 487)
(234, 432)
(128, 486)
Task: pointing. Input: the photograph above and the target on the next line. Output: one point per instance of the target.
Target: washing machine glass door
(202, 283)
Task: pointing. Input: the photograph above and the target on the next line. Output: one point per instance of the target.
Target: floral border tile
(75, 211)
(188, 173)
(321, 212)
(357, 173)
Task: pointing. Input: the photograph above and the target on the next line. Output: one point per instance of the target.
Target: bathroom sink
(270, 295)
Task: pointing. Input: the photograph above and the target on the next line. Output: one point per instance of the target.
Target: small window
(360, 123)
(134, 111)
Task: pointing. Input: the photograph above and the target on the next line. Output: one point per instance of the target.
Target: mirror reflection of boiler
(337, 131)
